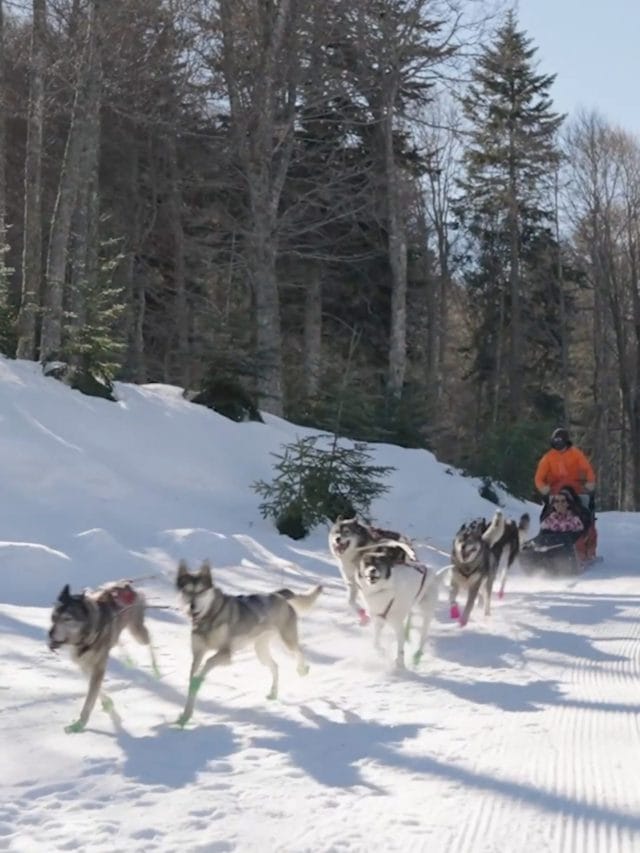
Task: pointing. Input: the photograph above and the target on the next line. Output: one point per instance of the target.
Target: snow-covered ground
(518, 733)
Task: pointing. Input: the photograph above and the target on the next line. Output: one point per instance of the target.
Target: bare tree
(441, 140)
(400, 50)
(261, 62)
(75, 161)
(604, 203)
(313, 332)
(83, 253)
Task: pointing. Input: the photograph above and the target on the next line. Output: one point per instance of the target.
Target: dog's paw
(182, 720)
(75, 728)
(500, 593)
(462, 621)
(363, 617)
(303, 669)
(272, 695)
(107, 705)
(454, 611)
(417, 657)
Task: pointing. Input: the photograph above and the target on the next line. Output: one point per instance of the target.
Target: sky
(594, 48)
(516, 733)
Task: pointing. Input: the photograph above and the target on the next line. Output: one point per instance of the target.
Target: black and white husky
(394, 589)
(347, 539)
(478, 549)
(90, 624)
(221, 624)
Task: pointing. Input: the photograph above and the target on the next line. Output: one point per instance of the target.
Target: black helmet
(560, 439)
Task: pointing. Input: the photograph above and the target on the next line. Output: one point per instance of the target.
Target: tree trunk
(432, 347)
(133, 275)
(32, 232)
(67, 197)
(313, 332)
(497, 375)
(84, 253)
(179, 268)
(262, 264)
(397, 249)
(564, 326)
(263, 109)
(515, 341)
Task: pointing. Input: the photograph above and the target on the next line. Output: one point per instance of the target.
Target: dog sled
(558, 552)
(551, 552)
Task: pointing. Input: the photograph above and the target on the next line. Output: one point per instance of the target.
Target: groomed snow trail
(518, 733)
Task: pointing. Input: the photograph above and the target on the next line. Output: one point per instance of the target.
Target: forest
(365, 216)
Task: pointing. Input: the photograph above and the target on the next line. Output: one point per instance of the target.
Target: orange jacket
(559, 468)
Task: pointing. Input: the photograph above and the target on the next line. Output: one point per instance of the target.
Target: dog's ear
(338, 519)
(183, 572)
(65, 594)
(205, 570)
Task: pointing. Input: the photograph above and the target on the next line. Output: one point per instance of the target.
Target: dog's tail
(301, 601)
(444, 574)
(495, 530)
(381, 546)
(523, 526)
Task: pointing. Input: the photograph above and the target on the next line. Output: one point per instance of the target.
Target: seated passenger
(562, 518)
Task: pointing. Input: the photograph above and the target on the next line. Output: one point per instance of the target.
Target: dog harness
(481, 566)
(423, 571)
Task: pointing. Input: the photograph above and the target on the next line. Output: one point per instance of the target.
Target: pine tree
(511, 158)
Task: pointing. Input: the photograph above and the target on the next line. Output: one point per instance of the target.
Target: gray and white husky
(347, 539)
(90, 623)
(478, 549)
(393, 590)
(223, 624)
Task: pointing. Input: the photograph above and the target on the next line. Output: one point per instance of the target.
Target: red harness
(123, 596)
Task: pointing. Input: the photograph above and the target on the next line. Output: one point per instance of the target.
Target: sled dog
(477, 550)
(222, 624)
(393, 590)
(347, 538)
(90, 624)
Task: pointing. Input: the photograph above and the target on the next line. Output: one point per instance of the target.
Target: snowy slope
(517, 733)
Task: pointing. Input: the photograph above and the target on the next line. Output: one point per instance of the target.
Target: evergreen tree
(510, 159)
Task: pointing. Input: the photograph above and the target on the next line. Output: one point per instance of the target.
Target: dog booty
(455, 611)
(363, 616)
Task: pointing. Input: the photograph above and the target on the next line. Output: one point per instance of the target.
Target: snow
(520, 732)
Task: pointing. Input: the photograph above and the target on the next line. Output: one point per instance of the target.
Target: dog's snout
(53, 644)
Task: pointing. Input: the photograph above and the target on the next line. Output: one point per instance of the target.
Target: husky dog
(91, 624)
(393, 589)
(475, 556)
(347, 538)
(224, 623)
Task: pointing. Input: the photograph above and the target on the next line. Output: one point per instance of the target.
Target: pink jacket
(562, 523)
